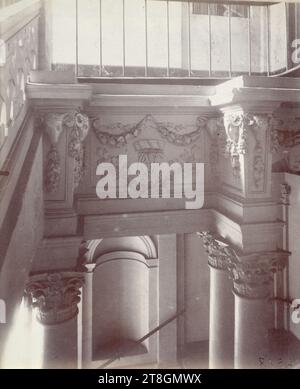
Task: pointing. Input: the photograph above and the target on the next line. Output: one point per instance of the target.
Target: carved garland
(236, 139)
(169, 131)
(78, 124)
(237, 129)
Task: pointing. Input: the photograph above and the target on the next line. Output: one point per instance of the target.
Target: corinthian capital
(55, 296)
(252, 275)
(220, 254)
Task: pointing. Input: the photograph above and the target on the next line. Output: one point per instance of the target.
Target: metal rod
(229, 33)
(168, 32)
(124, 38)
(274, 298)
(287, 32)
(268, 41)
(145, 337)
(249, 40)
(286, 280)
(189, 38)
(296, 21)
(209, 38)
(76, 37)
(146, 38)
(100, 37)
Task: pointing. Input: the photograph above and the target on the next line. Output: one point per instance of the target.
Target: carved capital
(54, 296)
(220, 255)
(252, 275)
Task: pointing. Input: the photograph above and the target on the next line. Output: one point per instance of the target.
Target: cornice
(58, 92)
(263, 93)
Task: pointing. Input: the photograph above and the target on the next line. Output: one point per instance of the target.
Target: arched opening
(120, 305)
(124, 282)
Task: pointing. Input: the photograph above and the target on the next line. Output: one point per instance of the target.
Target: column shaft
(221, 320)
(87, 319)
(251, 332)
(60, 345)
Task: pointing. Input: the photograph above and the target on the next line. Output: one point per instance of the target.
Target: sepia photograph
(150, 188)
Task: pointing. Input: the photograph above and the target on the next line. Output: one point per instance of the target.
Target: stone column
(54, 297)
(87, 315)
(252, 276)
(167, 300)
(221, 304)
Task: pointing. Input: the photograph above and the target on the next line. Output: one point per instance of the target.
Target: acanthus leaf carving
(55, 296)
(252, 274)
(220, 254)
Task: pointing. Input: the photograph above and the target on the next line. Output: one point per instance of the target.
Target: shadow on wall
(120, 305)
